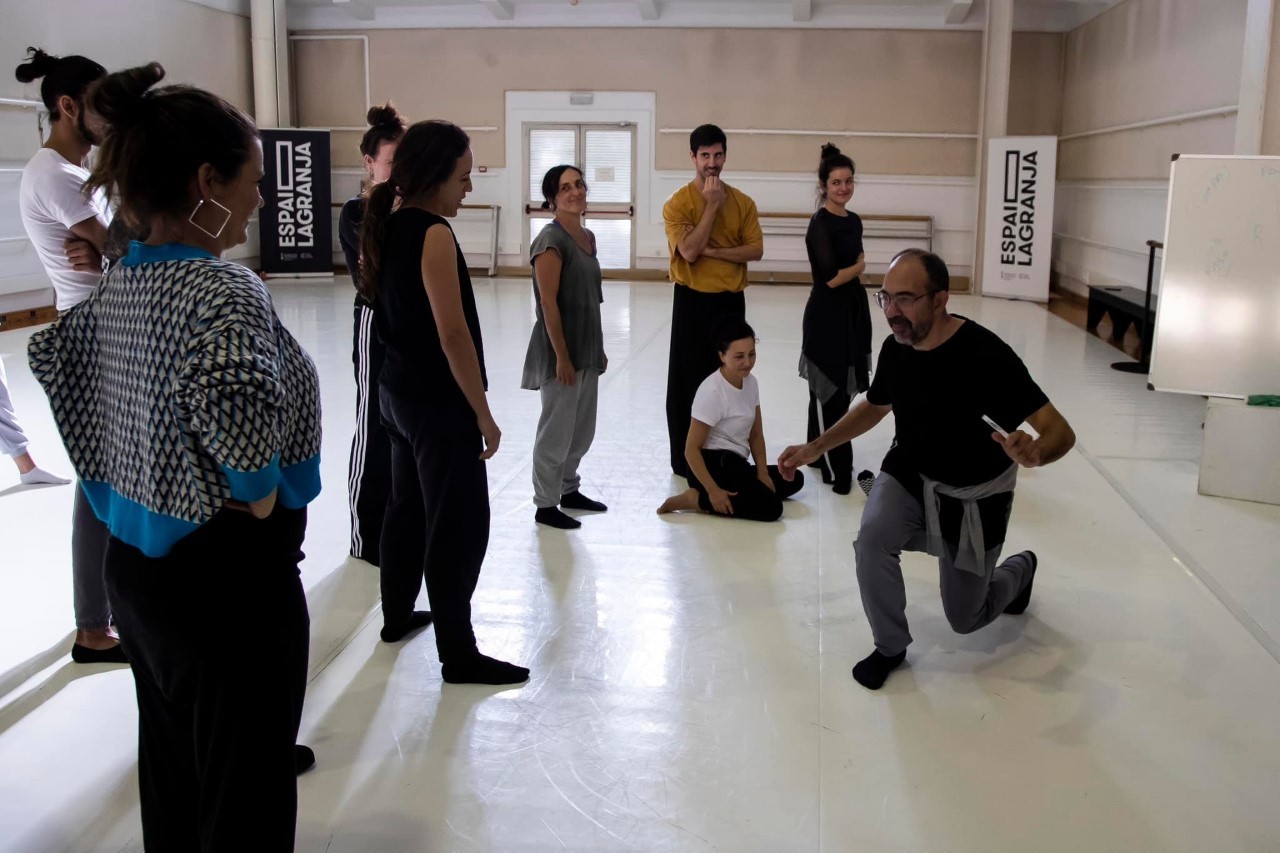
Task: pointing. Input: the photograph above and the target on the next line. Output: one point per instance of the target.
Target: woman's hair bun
(386, 117)
(829, 151)
(120, 97)
(37, 65)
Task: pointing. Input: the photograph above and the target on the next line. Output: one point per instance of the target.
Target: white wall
(1101, 229)
(196, 44)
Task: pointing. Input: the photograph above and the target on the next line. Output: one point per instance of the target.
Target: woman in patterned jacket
(193, 419)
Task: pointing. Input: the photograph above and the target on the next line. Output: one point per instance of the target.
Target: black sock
(483, 669)
(304, 758)
(553, 517)
(417, 620)
(1019, 604)
(577, 500)
(872, 670)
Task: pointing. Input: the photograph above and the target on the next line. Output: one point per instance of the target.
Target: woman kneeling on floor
(724, 431)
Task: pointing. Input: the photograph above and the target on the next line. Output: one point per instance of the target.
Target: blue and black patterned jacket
(176, 388)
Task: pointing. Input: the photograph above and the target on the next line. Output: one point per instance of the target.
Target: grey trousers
(565, 432)
(88, 553)
(893, 522)
(13, 441)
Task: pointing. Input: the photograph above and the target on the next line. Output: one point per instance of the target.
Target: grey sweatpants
(13, 441)
(565, 432)
(88, 552)
(893, 522)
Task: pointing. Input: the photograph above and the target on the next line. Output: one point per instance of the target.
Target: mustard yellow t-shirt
(737, 224)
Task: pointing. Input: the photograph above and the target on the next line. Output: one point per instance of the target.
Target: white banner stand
(1021, 174)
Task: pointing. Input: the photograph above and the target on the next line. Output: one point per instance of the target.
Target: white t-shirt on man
(729, 411)
(51, 198)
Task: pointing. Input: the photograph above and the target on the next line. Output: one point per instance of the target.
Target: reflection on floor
(691, 685)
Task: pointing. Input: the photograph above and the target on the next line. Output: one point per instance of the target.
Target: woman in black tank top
(432, 393)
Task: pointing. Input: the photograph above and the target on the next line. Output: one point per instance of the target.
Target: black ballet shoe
(84, 654)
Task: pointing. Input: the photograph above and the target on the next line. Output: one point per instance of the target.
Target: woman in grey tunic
(566, 349)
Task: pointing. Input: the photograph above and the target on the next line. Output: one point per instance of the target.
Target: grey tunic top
(579, 298)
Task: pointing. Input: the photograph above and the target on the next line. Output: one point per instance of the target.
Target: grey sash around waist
(972, 553)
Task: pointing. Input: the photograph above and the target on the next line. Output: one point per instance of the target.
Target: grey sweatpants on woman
(88, 551)
(565, 432)
(893, 522)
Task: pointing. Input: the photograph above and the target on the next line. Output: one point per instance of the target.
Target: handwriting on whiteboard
(1216, 180)
(1218, 263)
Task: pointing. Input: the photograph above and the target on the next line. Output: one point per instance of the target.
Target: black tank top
(416, 366)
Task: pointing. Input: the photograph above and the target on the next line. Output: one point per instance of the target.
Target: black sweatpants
(837, 463)
(693, 357)
(218, 711)
(369, 470)
(437, 522)
(753, 501)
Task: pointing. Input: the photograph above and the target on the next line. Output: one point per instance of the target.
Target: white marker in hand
(995, 426)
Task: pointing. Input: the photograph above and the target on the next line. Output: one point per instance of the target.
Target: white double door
(606, 155)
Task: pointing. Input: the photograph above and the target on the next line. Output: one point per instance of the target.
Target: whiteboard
(1218, 319)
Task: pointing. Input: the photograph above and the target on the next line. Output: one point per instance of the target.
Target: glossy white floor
(691, 685)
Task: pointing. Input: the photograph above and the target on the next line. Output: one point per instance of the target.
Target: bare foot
(686, 500)
(96, 640)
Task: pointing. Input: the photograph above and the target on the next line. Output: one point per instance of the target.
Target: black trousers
(218, 711)
(753, 501)
(837, 463)
(369, 470)
(437, 523)
(693, 357)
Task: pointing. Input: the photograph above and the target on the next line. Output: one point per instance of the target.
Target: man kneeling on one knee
(946, 485)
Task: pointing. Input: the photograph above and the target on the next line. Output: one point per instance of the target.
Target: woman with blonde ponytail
(193, 420)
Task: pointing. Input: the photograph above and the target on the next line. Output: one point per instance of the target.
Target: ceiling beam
(801, 11)
(361, 10)
(959, 11)
(500, 9)
(649, 10)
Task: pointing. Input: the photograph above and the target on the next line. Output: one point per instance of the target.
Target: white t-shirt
(729, 411)
(52, 201)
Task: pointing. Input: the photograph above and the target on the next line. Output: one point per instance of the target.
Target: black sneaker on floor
(84, 654)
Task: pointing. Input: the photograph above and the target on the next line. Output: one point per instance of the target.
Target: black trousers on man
(437, 522)
(218, 710)
(693, 357)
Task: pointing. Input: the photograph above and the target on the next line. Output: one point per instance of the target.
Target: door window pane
(549, 147)
(608, 165)
(613, 242)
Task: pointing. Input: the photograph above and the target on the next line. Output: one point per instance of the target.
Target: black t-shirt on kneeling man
(939, 397)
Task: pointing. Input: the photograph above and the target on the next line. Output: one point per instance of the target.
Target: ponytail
(373, 234)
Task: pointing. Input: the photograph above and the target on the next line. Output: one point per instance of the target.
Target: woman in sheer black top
(835, 357)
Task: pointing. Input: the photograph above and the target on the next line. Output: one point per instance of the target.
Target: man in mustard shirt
(713, 231)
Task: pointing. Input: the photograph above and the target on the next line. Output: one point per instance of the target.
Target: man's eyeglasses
(903, 301)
